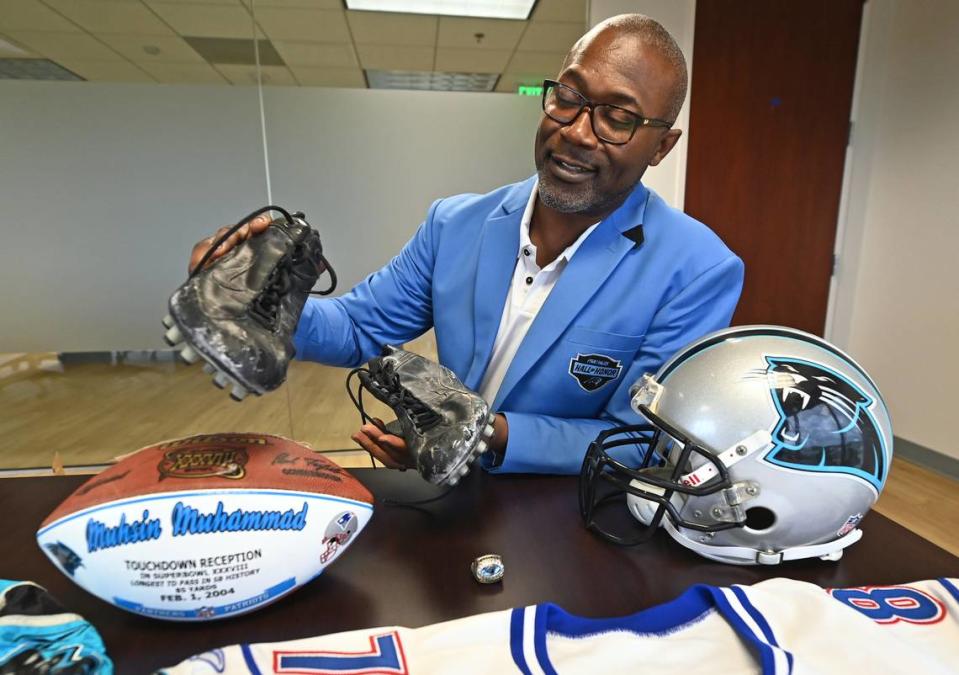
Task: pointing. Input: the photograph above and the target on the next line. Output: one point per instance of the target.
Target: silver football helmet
(764, 444)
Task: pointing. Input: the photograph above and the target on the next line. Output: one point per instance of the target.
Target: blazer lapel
(589, 268)
(496, 259)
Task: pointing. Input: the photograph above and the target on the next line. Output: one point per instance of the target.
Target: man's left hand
(389, 449)
(392, 452)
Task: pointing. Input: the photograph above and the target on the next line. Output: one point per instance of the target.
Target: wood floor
(88, 413)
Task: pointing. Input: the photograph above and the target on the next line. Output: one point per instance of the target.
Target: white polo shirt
(529, 290)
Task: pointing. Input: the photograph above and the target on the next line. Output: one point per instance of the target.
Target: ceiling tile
(548, 64)
(303, 24)
(550, 37)
(459, 32)
(32, 15)
(573, 11)
(104, 16)
(205, 2)
(316, 54)
(386, 57)
(392, 29)
(59, 46)
(11, 49)
(153, 48)
(329, 77)
(184, 73)
(246, 75)
(471, 60)
(107, 71)
(306, 4)
(231, 21)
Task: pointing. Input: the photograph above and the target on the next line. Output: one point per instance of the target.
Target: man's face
(578, 173)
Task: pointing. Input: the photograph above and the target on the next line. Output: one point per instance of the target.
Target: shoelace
(387, 381)
(422, 416)
(265, 306)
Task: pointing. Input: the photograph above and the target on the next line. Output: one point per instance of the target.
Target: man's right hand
(255, 226)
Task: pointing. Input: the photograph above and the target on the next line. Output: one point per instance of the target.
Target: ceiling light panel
(234, 51)
(431, 80)
(489, 9)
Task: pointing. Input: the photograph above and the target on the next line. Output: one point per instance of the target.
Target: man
(552, 296)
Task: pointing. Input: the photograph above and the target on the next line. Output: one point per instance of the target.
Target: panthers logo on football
(824, 423)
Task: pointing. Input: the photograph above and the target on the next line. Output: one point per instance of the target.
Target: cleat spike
(488, 431)
(221, 380)
(453, 480)
(189, 354)
(173, 336)
(168, 321)
(238, 393)
(465, 469)
(481, 448)
(208, 368)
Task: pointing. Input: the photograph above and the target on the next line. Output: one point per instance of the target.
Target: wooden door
(772, 84)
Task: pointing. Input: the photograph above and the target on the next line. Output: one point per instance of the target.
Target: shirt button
(529, 280)
(526, 251)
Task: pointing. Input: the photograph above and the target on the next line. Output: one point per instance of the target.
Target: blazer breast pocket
(617, 342)
(597, 359)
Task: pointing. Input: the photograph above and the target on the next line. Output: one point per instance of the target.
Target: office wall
(896, 307)
(105, 187)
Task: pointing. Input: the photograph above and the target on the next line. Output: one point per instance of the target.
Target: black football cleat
(239, 313)
(445, 425)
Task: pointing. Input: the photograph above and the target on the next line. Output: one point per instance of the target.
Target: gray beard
(585, 199)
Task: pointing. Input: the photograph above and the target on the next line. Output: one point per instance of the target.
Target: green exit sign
(530, 90)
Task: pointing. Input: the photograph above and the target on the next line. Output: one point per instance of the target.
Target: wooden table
(411, 566)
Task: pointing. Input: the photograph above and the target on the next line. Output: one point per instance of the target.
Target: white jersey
(776, 626)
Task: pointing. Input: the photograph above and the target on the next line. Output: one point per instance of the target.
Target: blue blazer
(648, 280)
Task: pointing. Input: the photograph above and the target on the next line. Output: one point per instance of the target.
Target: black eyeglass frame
(640, 121)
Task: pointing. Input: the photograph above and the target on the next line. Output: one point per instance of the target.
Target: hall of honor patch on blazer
(592, 371)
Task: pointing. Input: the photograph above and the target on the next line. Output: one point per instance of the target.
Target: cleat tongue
(173, 336)
(189, 354)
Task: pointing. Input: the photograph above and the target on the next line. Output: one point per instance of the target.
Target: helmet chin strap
(743, 555)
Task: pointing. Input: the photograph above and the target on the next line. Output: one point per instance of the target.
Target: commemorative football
(206, 527)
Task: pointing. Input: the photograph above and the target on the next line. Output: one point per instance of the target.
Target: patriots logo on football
(824, 422)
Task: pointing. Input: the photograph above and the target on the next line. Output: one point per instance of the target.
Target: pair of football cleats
(239, 314)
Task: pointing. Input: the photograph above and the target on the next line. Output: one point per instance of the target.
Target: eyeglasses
(610, 123)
